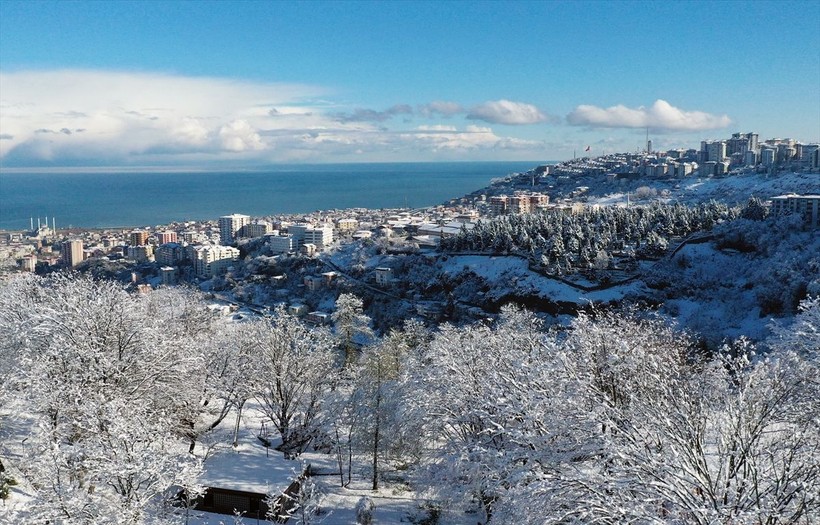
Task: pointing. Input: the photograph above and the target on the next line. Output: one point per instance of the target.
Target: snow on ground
(13, 432)
(713, 294)
(734, 189)
(738, 188)
(250, 467)
(515, 273)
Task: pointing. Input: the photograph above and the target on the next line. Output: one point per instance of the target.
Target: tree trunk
(378, 423)
(340, 460)
(236, 426)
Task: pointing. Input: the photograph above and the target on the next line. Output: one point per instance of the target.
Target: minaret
(31, 220)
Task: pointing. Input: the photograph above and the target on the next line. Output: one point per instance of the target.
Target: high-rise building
(229, 225)
(72, 252)
(519, 204)
(768, 156)
(138, 238)
(741, 143)
(716, 151)
(166, 237)
(499, 205)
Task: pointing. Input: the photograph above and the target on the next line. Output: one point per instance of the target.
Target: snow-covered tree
(350, 322)
(803, 335)
(293, 368)
(101, 380)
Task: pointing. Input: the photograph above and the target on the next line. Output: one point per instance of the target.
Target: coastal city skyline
(142, 84)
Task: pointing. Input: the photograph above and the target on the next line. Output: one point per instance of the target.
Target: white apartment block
(321, 236)
(214, 260)
(768, 156)
(282, 243)
(716, 151)
(808, 206)
(297, 231)
(229, 225)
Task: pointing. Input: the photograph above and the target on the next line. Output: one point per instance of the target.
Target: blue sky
(198, 83)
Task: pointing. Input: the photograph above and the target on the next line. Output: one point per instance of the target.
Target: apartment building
(213, 260)
(72, 252)
(229, 225)
(808, 206)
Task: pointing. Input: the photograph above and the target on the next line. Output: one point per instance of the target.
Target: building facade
(282, 244)
(72, 252)
(166, 237)
(169, 254)
(138, 238)
(229, 225)
(807, 206)
(210, 261)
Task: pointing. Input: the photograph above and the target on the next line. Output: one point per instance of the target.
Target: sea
(107, 199)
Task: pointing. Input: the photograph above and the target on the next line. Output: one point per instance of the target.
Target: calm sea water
(95, 200)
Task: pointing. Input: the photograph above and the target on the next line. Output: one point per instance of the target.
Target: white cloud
(437, 127)
(440, 108)
(104, 118)
(660, 116)
(472, 138)
(507, 112)
(127, 116)
(240, 136)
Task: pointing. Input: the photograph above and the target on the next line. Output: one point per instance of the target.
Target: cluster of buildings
(719, 157)
(741, 151)
(520, 202)
(208, 249)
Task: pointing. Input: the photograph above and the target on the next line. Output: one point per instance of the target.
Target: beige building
(255, 229)
(72, 252)
(214, 260)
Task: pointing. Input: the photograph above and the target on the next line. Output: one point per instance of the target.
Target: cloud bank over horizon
(119, 118)
(660, 116)
(92, 117)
